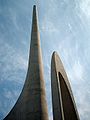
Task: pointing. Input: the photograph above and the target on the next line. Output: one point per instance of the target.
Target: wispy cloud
(63, 29)
(85, 8)
(48, 26)
(11, 61)
(71, 45)
(14, 66)
(77, 71)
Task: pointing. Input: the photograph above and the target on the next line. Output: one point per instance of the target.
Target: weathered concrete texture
(31, 104)
(64, 107)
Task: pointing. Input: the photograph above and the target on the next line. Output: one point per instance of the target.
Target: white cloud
(85, 7)
(83, 103)
(21, 62)
(48, 26)
(8, 94)
(77, 71)
(13, 17)
(11, 62)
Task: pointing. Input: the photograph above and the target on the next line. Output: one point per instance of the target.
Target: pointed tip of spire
(34, 7)
(34, 14)
(34, 19)
(54, 54)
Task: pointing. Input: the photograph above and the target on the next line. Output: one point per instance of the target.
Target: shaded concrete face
(31, 104)
(64, 107)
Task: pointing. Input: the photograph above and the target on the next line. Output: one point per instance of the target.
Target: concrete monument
(64, 107)
(31, 104)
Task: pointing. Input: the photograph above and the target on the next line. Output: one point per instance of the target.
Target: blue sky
(64, 27)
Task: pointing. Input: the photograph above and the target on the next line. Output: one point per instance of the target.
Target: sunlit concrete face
(31, 104)
(64, 107)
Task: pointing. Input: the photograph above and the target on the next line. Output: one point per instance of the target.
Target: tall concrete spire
(64, 107)
(31, 104)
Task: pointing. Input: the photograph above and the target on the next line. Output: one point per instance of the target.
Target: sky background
(64, 27)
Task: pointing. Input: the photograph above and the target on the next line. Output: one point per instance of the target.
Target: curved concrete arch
(64, 107)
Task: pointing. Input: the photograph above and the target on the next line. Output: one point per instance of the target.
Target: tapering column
(31, 104)
(64, 107)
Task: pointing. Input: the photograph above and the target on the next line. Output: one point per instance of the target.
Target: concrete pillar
(31, 104)
(64, 107)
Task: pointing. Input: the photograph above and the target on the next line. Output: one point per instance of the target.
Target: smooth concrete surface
(32, 104)
(64, 107)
